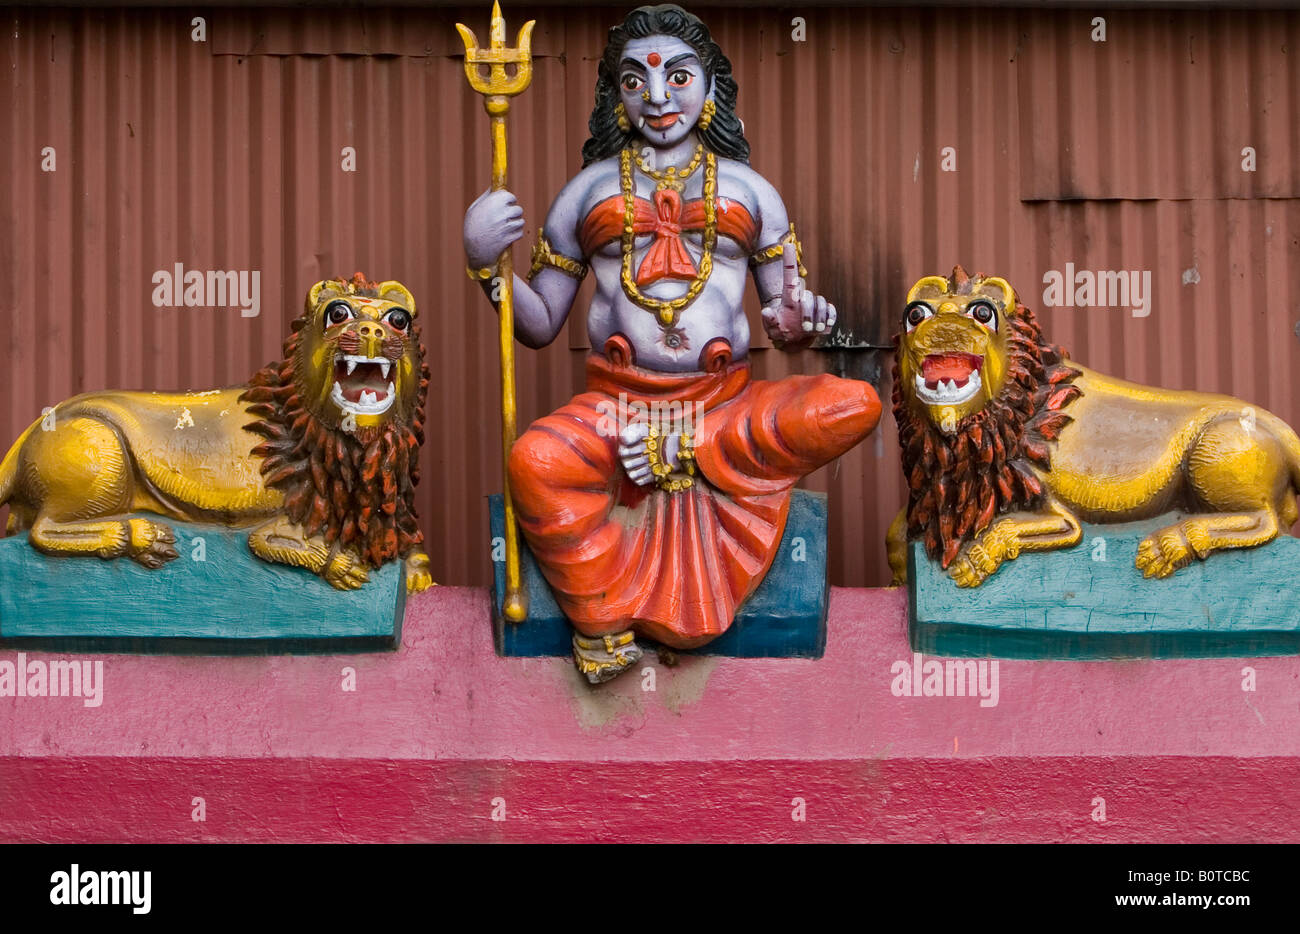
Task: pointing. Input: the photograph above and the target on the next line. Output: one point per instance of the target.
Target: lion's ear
(929, 287)
(327, 288)
(404, 297)
(999, 288)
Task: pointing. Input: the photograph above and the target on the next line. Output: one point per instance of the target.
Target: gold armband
(543, 256)
(773, 252)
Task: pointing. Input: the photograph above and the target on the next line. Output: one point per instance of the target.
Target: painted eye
(632, 82)
(680, 78)
(916, 313)
(984, 313)
(399, 319)
(338, 312)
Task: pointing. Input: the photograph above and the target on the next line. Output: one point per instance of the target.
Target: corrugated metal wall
(226, 154)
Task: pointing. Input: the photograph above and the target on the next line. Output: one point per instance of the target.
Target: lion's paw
(418, 577)
(346, 571)
(152, 544)
(1163, 552)
(965, 573)
(974, 566)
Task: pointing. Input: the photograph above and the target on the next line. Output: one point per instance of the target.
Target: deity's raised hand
(799, 311)
(492, 223)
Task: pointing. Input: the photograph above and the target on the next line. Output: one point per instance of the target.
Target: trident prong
(496, 56)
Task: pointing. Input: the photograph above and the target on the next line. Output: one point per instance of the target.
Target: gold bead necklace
(672, 177)
(668, 310)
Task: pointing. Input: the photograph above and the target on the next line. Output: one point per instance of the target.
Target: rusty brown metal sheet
(363, 31)
(226, 155)
(1160, 105)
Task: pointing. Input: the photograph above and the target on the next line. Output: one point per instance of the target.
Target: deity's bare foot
(603, 658)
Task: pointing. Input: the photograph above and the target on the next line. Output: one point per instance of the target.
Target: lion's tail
(9, 466)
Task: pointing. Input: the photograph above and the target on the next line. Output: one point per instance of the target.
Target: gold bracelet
(482, 274)
(657, 465)
(686, 453)
(666, 478)
(544, 256)
(775, 251)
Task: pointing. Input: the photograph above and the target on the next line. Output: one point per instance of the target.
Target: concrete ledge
(441, 733)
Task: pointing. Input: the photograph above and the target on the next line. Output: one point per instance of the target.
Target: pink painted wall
(437, 730)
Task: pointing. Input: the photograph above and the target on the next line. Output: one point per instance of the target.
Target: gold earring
(706, 115)
(623, 123)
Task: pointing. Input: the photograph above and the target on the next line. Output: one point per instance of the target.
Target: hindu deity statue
(655, 500)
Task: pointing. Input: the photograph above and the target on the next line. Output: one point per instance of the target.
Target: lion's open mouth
(949, 378)
(361, 384)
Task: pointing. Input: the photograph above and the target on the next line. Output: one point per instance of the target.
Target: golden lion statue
(1007, 445)
(318, 454)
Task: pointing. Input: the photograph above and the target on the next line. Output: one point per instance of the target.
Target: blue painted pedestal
(1091, 602)
(216, 598)
(784, 618)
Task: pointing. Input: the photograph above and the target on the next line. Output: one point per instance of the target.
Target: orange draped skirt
(675, 566)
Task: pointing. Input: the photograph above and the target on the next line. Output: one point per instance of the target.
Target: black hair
(724, 135)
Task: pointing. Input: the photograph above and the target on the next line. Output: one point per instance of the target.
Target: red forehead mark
(654, 59)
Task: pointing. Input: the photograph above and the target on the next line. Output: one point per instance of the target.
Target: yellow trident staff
(497, 87)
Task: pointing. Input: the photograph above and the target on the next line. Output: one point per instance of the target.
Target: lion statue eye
(916, 313)
(984, 313)
(338, 312)
(399, 319)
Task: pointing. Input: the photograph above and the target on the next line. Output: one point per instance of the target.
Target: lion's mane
(358, 492)
(958, 483)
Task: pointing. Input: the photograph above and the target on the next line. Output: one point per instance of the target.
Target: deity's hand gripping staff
(655, 501)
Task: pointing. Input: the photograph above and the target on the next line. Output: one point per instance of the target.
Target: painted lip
(662, 122)
(368, 403)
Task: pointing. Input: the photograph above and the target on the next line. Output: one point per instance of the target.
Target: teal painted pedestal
(216, 598)
(1091, 602)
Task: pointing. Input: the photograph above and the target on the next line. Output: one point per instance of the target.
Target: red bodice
(665, 217)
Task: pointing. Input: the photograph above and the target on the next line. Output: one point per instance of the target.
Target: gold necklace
(672, 177)
(668, 310)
